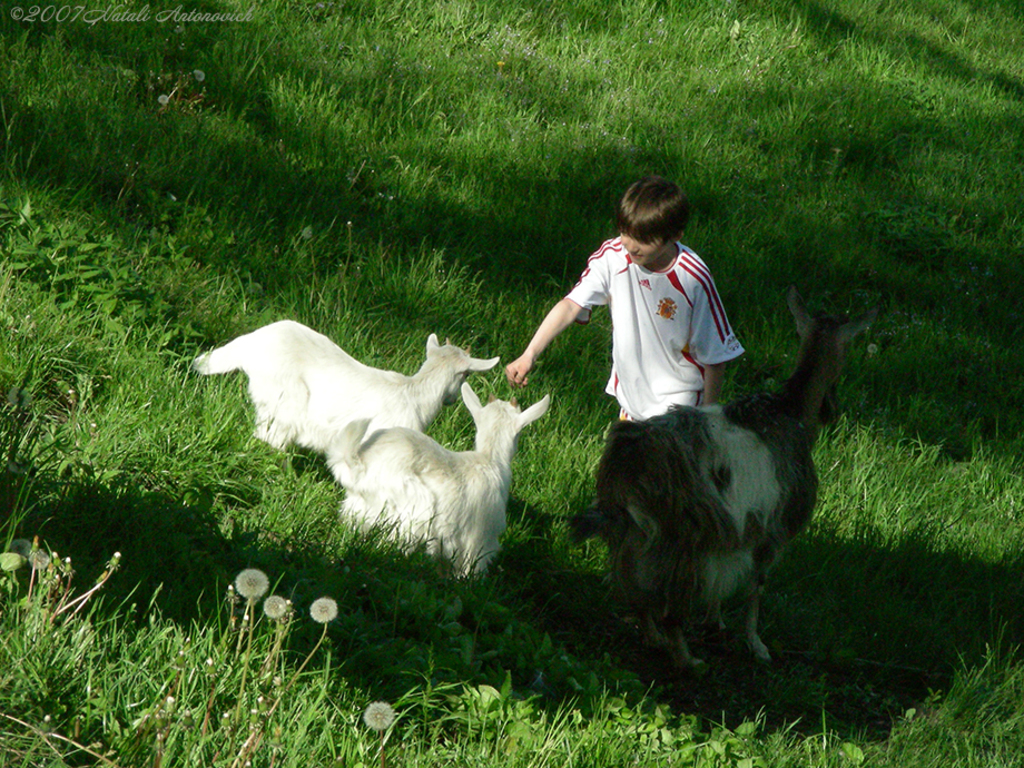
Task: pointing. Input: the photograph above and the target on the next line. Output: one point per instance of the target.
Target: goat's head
(825, 340)
(457, 362)
(499, 417)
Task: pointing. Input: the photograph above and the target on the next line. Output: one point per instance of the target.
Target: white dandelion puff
(323, 610)
(22, 546)
(277, 608)
(252, 584)
(379, 716)
(39, 560)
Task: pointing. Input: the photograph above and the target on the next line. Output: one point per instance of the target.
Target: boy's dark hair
(653, 210)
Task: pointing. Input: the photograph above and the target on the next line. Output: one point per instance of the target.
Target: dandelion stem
(48, 735)
(80, 600)
(254, 740)
(250, 612)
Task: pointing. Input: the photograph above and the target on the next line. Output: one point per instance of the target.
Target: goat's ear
(796, 307)
(533, 413)
(477, 364)
(857, 325)
(471, 400)
(432, 343)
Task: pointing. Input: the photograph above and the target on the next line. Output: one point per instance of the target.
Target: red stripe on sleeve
(714, 302)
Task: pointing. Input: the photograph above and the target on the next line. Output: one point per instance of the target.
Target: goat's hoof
(691, 664)
(760, 652)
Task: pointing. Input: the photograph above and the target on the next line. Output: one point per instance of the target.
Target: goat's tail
(220, 360)
(343, 453)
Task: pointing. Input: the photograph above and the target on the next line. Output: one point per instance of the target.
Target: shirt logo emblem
(645, 283)
(667, 308)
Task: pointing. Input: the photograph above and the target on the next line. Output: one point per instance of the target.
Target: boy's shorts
(697, 399)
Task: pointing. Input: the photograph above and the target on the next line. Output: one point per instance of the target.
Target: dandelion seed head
(277, 608)
(307, 233)
(38, 559)
(323, 610)
(252, 584)
(164, 99)
(379, 716)
(22, 546)
(199, 75)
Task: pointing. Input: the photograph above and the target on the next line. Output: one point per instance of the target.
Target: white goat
(452, 502)
(698, 504)
(306, 388)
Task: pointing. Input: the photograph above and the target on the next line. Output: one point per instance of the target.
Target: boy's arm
(561, 316)
(714, 375)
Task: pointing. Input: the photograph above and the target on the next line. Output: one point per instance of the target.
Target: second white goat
(452, 502)
(305, 388)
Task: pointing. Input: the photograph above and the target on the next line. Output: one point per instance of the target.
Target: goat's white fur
(453, 502)
(755, 487)
(305, 388)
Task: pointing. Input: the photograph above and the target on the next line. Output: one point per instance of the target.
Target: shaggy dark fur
(664, 485)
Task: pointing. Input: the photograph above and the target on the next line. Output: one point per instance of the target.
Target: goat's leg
(675, 642)
(680, 650)
(753, 640)
(652, 634)
(714, 615)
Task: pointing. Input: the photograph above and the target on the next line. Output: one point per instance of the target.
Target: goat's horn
(514, 402)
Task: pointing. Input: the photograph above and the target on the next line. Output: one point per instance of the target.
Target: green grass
(386, 170)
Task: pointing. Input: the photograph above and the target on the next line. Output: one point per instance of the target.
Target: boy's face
(655, 257)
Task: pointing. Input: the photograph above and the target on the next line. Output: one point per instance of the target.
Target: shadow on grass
(832, 27)
(859, 632)
(136, 165)
(860, 647)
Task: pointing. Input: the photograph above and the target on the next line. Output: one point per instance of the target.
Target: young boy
(670, 336)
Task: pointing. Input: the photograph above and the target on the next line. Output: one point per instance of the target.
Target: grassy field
(385, 170)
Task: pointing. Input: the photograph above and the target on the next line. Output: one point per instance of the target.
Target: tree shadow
(860, 631)
(831, 27)
(533, 205)
(857, 670)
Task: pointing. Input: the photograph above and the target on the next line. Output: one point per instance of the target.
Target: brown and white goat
(697, 504)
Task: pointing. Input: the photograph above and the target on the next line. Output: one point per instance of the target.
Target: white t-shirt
(666, 326)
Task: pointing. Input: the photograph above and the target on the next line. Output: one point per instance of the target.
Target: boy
(670, 336)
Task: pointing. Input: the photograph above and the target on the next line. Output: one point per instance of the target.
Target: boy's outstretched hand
(561, 316)
(517, 370)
